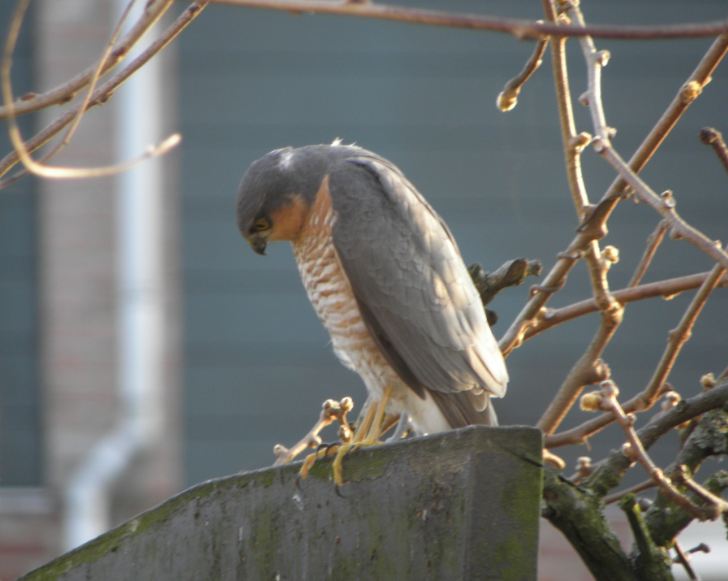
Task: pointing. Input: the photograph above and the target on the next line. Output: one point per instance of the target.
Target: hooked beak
(258, 244)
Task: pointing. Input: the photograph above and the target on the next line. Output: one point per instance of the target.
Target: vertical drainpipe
(140, 377)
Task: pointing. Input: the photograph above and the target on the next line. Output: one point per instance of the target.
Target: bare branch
(107, 88)
(684, 560)
(331, 411)
(515, 27)
(650, 560)
(551, 459)
(663, 204)
(677, 338)
(593, 225)
(707, 438)
(577, 513)
(540, 294)
(682, 412)
(716, 503)
(642, 486)
(511, 273)
(685, 96)
(17, 140)
(666, 519)
(635, 451)
(714, 138)
(665, 288)
(653, 243)
(571, 146)
(588, 368)
(66, 91)
(105, 55)
(595, 62)
(508, 97)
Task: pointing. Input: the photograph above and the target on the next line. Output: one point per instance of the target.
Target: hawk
(387, 280)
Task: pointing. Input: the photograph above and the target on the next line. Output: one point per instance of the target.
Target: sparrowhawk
(385, 277)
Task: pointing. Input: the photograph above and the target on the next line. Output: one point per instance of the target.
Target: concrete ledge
(459, 505)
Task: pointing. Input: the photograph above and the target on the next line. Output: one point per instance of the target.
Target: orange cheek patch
(288, 220)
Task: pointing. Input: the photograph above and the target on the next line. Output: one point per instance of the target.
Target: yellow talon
(337, 464)
(374, 422)
(367, 434)
(307, 465)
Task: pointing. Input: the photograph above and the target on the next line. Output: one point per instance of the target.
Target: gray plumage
(411, 283)
(405, 270)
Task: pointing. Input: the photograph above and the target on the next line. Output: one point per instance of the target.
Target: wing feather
(409, 278)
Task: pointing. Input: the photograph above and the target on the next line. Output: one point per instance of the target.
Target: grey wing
(409, 279)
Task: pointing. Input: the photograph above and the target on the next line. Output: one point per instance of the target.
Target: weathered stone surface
(460, 505)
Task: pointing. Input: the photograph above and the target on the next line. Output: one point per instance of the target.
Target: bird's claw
(331, 411)
(369, 430)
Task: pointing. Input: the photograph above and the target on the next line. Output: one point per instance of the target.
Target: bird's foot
(337, 468)
(331, 411)
(336, 449)
(372, 426)
(372, 438)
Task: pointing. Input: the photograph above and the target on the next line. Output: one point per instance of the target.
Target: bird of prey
(387, 280)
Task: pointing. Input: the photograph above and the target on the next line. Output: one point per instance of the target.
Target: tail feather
(465, 408)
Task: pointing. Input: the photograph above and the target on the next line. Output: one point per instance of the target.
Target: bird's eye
(261, 224)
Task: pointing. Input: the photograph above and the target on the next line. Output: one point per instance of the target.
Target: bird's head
(277, 192)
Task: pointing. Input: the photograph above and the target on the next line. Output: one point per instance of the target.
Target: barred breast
(330, 294)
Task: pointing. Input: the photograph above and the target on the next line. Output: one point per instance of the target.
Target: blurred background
(144, 348)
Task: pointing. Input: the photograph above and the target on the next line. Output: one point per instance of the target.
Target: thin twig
(719, 505)
(684, 560)
(649, 560)
(668, 288)
(635, 451)
(508, 97)
(608, 473)
(589, 368)
(685, 96)
(93, 81)
(642, 486)
(653, 243)
(17, 140)
(515, 27)
(663, 205)
(678, 337)
(650, 394)
(571, 146)
(66, 91)
(108, 87)
(593, 226)
(714, 138)
(595, 61)
(518, 28)
(509, 274)
(331, 411)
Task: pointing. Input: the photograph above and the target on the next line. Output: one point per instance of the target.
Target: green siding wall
(257, 363)
(20, 432)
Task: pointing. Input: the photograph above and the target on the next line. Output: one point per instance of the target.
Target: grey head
(279, 188)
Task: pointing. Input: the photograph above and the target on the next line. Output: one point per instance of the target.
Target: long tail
(466, 408)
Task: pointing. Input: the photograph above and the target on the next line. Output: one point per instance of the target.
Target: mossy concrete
(459, 505)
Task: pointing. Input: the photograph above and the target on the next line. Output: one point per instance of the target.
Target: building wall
(78, 305)
(257, 362)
